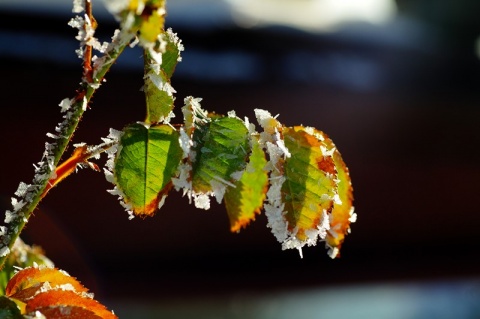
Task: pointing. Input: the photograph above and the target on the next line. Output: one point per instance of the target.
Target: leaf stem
(80, 156)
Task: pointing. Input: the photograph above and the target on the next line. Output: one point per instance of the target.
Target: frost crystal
(78, 6)
(274, 208)
(4, 251)
(193, 113)
(267, 121)
(161, 85)
(353, 215)
(218, 188)
(22, 189)
(115, 6)
(162, 201)
(333, 252)
(178, 43)
(201, 201)
(114, 137)
(185, 142)
(65, 104)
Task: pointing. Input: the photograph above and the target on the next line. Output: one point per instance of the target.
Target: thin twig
(80, 156)
(29, 196)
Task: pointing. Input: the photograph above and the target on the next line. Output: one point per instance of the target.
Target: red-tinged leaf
(343, 212)
(29, 280)
(65, 312)
(310, 186)
(53, 298)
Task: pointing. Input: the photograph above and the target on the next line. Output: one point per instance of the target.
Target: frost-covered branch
(28, 196)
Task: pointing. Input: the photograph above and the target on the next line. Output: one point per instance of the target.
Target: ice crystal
(161, 84)
(78, 6)
(274, 208)
(65, 104)
(162, 201)
(193, 114)
(201, 201)
(116, 6)
(218, 188)
(114, 137)
(175, 40)
(333, 252)
(4, 251)
(36, 315)
(22, 189)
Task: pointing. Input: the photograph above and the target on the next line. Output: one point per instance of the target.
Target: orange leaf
(343, 211)
(62, 312)
(65, 298)
(30, 280)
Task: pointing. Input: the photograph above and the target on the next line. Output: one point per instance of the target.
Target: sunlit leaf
(343, 213)
(158, 91)
(158, 95)
(310, 186)
(68, 299)
(30, 280)
(53, 293)
(246, 199)
(146, 161)
(171, 56)
(221, 148)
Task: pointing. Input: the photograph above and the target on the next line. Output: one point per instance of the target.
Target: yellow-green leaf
(158, 91)
(310, 186)
(246, 199)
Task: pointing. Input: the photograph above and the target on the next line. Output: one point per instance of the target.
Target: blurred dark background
(400, 98)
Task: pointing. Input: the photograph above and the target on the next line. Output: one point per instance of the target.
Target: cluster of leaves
(294, 174)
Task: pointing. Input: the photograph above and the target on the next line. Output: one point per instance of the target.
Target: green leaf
(171, 56)
(221, 148)
(310, 186)
(147, 159)
(9, 309)
(246, 199)
(158, 91)
(158, 96)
